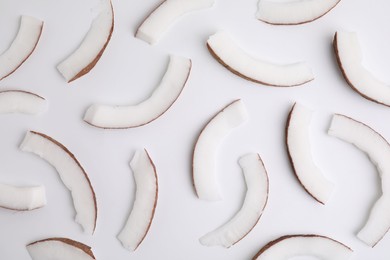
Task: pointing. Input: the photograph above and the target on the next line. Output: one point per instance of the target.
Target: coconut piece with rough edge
(22, 198)
(20, 101)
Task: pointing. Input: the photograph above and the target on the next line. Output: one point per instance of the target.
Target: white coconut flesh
(160, 20)
(229, 54)
(85, 57)
(256, 197)
(162, 98)
(59, 249)
(349, 57)
(293, 12)
(299, 150)
(206, 149)
(18, 101)
(317, 246)
(378, 150)
(141, 216)
(22, 198)
(71, 173)
(22, 46)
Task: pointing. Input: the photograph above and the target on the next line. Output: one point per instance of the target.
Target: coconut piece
(22, 198)
(256, 197)
(205, 151)
(162, 98)
(231, 56)
(22, 46)
(81, 61)
(349, 57)
(19, 101)
(292, 13)
(158, 22)
(141, 216)
(60, 249)
(289, 246)
(378, 150)
(71, 173)
(299, 153)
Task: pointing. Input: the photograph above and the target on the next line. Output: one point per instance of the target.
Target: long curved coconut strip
(141, 216)
(285, 247)
(59, 249)
(71, 173)
(91, 49)
(299, 152)
(158, 103)
(226, 52)
(292, 13)
(256, 197)
(349, 57)
(378, 150)
(205, 151)
(158, 22)
(22, 198)
(23, 45)
(19, 101)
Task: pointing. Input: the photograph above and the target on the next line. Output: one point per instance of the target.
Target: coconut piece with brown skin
(22, 198)
(20, 101)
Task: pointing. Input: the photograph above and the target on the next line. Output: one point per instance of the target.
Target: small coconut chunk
(141, 216)
(59, 249)
(293, 12)
(71, 173)
(231, 56)
(256, 197)
(299, 151)
(286, 247)
(162, 98)
(206, 148)
(22, 198)
(82, 60)
(378, 150)
(159, 21)
(22, 46)
(18, 101)
(349, 58)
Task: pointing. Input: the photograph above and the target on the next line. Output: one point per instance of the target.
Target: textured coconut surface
(128, 73)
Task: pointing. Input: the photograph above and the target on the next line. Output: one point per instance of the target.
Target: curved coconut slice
(226, 52)
(59, 249)
(256, 197)
(299, 153)
(91, 49)
(22, 198)
(158, 22)
(205, 151)
(349, 57)
(378, 150)
(292, 13)
(71, 173)
(286, 247)
(158, 103)
(23, 45)
(19, 101)
(141, 216)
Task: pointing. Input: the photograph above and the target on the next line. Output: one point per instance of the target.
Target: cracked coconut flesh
(22, 46)
(222, 47)
(159, 21)
(22, 198)
(293, 12)
(378, 150)
(141, 216)
(206, 148)
(162, 98)
(18, 101)
(71, 173)
(256, 197)
(349, 57)
(299, 151)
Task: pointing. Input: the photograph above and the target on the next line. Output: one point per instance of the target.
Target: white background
(127, 73)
